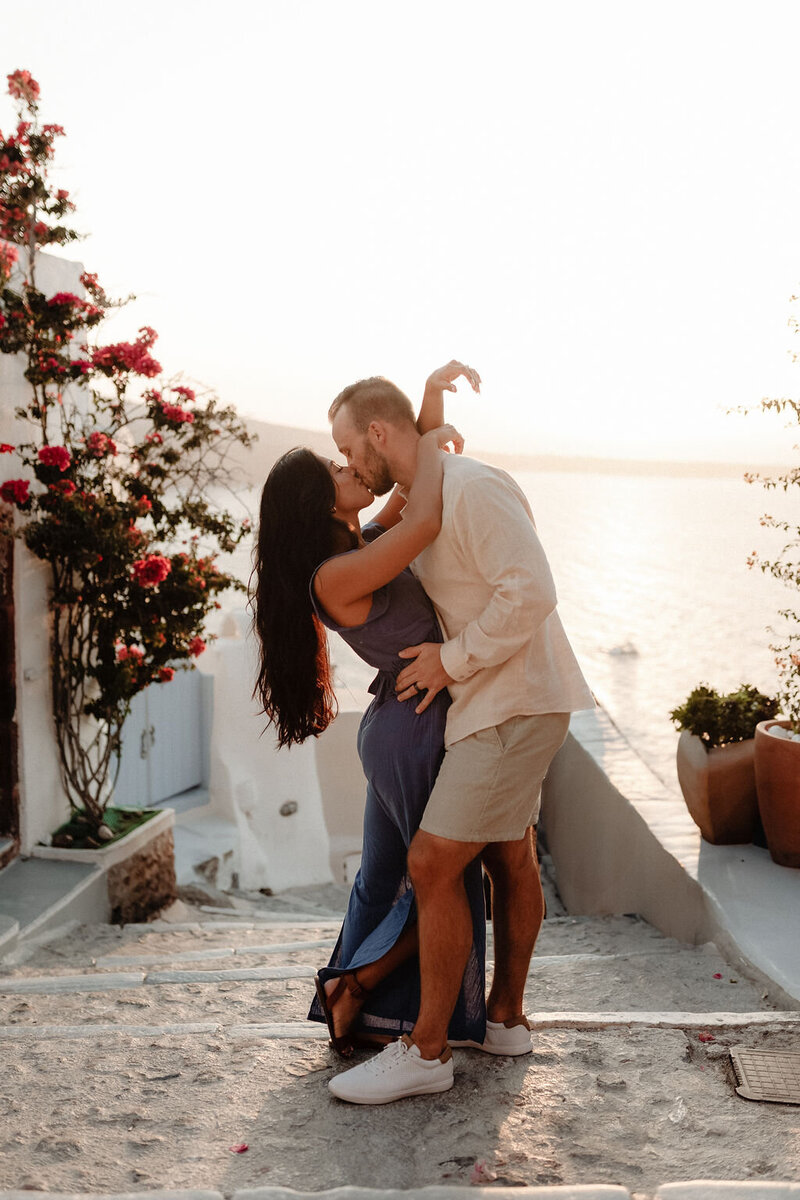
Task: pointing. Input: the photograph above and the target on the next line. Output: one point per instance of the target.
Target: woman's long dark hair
(297, 531)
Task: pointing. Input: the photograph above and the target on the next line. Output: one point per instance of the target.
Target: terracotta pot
(719, 788)
(778, 784)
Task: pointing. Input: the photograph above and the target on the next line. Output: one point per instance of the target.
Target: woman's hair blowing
(296, 533)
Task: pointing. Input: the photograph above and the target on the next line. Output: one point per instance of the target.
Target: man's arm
(493, 528)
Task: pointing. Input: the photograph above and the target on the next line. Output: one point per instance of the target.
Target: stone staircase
(144, 1058)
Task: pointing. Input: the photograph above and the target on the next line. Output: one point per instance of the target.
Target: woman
(316, 567)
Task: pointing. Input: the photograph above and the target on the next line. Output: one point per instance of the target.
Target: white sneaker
(399, 1070)
(503, 1037)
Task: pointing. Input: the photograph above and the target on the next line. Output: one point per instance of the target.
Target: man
(514, 681)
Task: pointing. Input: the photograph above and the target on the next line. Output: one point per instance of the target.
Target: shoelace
(383, 1061)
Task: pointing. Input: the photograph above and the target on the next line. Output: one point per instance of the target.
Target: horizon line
(584, 463)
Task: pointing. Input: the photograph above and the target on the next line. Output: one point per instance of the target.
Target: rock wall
(143, 883)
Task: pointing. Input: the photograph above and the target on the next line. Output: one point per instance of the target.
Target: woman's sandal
(342, 1043)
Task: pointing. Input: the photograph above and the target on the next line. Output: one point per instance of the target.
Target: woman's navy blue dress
(401, 752)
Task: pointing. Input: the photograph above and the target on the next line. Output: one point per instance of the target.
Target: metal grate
(767, 1074)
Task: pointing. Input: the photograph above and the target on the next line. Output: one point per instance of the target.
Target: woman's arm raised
(344, 582)
(431, 416)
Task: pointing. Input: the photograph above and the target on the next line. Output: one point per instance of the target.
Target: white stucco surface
(252, 781)
(43, 804)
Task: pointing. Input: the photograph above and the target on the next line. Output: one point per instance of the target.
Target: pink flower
(151, 570)
(154, 438)
(122, 652)
(22, 86)
(55, 456)
(14, 491)
(165, 674)
(99, 444)
(144, 504)
(196, 646)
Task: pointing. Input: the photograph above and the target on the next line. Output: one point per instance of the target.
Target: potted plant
(716, 752)
(113, 492)
(777, 753)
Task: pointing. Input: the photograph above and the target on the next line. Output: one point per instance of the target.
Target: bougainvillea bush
(111, 483)
(785, 565)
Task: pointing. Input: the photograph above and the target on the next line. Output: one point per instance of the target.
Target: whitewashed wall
(43, 804)
(251, 781)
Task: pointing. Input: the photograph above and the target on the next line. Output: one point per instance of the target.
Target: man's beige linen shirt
(490, 581)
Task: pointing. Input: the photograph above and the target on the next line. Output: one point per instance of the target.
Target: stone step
(301, 1030)
(620, 1105)
(703, 1189)
(312, 953)
(81, 946)
(282, 992)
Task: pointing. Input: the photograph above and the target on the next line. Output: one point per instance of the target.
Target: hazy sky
(595, 204)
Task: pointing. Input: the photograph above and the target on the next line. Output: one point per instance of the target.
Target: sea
(654, 592)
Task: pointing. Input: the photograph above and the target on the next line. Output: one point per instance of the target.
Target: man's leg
(517, 914)
(436, 866)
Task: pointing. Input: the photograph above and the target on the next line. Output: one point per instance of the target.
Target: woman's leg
(375, 889)
(348, 1004)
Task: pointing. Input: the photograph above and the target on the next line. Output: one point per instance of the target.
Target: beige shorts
(489, 787)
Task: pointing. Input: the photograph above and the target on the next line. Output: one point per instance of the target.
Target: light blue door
(165, 741)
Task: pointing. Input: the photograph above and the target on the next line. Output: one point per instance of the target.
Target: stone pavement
(142, 1059)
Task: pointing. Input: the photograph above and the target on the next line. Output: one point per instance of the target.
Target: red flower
(126, 653)
(55, 456)
(128, 356)
(63, 298)
(196, 646)
(165, 674)
(8, 256)
(172, 412)
(22, 86)
(64, 486)
(5, 448)
(14, 491)
(151, 570)
(186, 392)
(135, 536)
(155, 438)
(144, 504)
(99, 444)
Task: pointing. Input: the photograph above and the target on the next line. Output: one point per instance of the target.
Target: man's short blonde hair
(374, 399)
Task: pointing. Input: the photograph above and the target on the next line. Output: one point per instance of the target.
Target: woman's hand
(444, 436)
(444, 378)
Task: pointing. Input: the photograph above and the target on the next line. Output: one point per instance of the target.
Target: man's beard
(376, 474)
